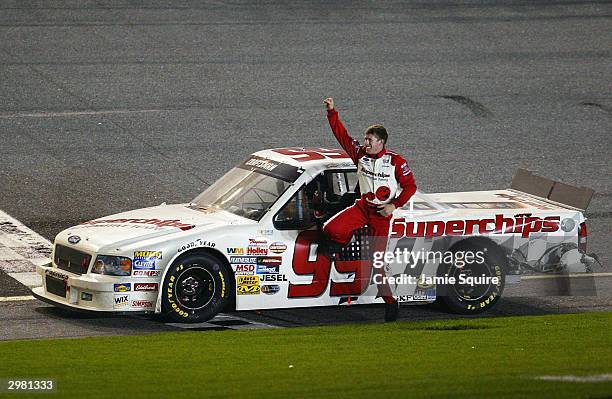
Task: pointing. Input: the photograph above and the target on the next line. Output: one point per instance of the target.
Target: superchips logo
(524, 225)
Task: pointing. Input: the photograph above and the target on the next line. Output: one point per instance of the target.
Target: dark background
(110, 106)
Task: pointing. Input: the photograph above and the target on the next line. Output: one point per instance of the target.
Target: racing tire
(465, 298)
(196, 288)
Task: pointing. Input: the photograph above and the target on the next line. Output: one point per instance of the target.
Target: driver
(386, 183)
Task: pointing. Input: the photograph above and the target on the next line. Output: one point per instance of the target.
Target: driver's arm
(349, 144)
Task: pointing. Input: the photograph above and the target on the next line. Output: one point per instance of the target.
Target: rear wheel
(478, 283)
(196, 288)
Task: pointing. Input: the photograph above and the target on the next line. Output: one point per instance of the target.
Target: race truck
(253, 240)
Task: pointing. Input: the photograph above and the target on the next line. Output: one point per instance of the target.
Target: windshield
(248, 190)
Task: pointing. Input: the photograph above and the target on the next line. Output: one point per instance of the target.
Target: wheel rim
(195, 288)
(466, 292)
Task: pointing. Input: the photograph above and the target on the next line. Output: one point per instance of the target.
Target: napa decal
(124, 287)
(146, 260)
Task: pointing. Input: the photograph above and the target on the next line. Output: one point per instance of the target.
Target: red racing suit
(383, 178)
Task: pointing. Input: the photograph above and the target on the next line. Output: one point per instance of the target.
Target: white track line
(21, 250)
(570, 275)
(576, 378)
(16, 298)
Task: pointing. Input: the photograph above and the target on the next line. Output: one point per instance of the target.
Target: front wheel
(478, 283)
(195, 289)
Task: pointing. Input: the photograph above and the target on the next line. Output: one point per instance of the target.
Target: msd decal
(521, 224)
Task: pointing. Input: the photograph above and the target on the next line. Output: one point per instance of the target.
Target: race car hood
(124, 229)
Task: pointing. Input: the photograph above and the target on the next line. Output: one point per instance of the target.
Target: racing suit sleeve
(349, 144)
(405, 179)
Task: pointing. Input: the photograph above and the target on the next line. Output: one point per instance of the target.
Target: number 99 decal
(308, 261)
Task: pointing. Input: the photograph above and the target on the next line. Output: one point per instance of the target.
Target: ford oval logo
(74, 239)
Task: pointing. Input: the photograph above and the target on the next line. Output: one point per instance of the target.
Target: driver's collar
(377, 155)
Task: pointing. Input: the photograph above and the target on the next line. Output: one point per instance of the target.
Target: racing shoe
(391, 311)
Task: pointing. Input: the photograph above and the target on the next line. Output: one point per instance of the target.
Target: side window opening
(313, 204)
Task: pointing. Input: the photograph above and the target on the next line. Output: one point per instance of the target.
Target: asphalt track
(105, 108)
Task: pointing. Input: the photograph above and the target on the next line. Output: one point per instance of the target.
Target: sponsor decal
(198, 242)
(247, 285)
(257, 250)
(383, 193)
(146, 286)
(146, 273)
(406, 169)
(146, 260)
(243, 259)
(235, 251)
(267, 269)
(74, 239)
(270, 260)
(273, 277)
(262, 163)
(122, 287)
(303, 154)
(57, 275)
(153, 222)
(270, 289)
(244, 269)
(278, 247)
(523, 224)
(267, 232)
(121, 301)
(86, 296)
(255, 241)
(248, 280)
(139, 303)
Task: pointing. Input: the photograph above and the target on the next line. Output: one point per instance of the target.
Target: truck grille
(71, 260)
(56, 286)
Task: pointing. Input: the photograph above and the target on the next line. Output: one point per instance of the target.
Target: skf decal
(521, 224)
(125, 287)
(146, 260)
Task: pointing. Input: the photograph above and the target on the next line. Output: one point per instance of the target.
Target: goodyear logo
(125, 287)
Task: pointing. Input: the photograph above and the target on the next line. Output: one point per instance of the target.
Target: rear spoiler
(527, 182)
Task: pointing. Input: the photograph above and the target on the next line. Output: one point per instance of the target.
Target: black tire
(476, 298)
(196, 288)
